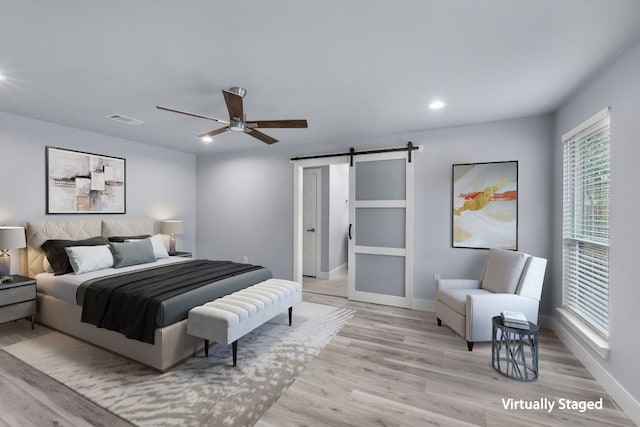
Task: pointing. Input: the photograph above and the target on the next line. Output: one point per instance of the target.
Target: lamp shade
(171, 227)
(12, 237)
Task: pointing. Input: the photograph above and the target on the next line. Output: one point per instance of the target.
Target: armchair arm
(481, 308)
(445, 284)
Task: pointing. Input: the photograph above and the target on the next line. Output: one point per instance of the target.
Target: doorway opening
(325, 222)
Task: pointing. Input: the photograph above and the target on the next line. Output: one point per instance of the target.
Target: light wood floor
(336, 287)
(387, 367)
(395, 367)
(30, 398)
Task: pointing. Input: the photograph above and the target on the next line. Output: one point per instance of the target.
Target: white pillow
(89, 258)
(159, 249)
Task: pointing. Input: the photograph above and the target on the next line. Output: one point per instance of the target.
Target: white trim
(378, 250)
(322, 275)
(545, 321)
(382, 299)
(333, 273)
(600, 115)
(298, 168)
(318, 173)
(297, 221)
(593, 340)
(621, 395)
(380, 203)
(409, 269)
(424, 304)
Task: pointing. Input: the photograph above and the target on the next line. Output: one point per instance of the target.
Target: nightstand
(180, 254)
(18, 299)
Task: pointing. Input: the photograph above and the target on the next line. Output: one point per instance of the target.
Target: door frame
(298, 177)
(318, 173)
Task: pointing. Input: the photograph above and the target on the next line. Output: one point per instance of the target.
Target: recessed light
(3, 77)
(207, 139)
(436, 105)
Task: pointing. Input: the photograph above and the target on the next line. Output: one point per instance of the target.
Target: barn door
(381, 229)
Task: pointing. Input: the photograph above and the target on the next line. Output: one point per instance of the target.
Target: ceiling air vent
(124, 119)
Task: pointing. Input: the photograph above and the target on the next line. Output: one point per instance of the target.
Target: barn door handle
(350, 238)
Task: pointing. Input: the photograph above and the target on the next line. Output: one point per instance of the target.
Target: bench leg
(290, 314)
(234, 347)
(206, 348)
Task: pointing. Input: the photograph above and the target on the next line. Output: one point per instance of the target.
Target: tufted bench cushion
(227, 319)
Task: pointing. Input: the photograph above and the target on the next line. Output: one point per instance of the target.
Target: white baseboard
(623, 398)
(323, 275)
(424, 304)
(545, 321)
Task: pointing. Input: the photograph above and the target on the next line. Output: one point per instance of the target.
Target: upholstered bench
(227, 319)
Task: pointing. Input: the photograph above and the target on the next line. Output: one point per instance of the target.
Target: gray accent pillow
(132, 253)
(503, 271)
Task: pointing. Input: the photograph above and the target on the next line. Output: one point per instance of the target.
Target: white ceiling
(352, 68)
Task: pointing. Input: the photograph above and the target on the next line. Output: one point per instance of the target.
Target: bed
(59, 309)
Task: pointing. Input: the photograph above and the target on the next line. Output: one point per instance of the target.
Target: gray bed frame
(172, 344)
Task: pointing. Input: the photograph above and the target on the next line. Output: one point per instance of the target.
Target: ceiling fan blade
(226, 122)
(277, 124)
(261, 136)
(234, 105)
(214, 132)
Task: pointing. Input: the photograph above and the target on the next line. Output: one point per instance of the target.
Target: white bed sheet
(64, 286)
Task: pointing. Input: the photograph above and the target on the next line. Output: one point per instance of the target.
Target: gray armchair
(510, 281)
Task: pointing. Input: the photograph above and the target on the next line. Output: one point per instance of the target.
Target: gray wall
(245, 200)
(245, 208)
(618, 87)
(160, 182)
(339, 215)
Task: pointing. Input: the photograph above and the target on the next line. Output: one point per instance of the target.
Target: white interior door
(310, 222)
(381, 229)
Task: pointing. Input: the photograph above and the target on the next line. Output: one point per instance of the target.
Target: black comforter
(128, 302)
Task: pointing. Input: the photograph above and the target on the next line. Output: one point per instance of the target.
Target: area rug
(202, 391)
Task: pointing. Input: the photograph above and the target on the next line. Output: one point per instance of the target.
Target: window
(586, 223)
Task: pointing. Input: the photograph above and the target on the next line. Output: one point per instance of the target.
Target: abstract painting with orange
(485, 205)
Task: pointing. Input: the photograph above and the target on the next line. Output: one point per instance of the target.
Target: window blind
(586, 222)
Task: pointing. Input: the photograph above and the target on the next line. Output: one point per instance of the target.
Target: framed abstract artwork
(485, 205)
(79, 182)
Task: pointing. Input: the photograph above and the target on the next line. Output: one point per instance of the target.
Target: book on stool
(514, 319)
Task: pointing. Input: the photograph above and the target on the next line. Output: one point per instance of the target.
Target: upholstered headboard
(39, 232)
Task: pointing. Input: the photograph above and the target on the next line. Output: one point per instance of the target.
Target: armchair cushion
(503, 270)
(481, 308)
(456, 299)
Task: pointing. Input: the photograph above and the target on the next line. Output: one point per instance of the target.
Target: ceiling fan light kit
(237, 119)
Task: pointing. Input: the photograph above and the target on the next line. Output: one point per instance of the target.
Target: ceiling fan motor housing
(240, 91)
(237, 126)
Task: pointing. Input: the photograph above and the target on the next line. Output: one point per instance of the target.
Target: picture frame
(484, 205)
(84, 183)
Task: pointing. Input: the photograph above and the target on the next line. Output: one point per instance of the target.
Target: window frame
(585, 229)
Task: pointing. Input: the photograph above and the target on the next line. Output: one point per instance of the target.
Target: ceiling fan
(237, 119)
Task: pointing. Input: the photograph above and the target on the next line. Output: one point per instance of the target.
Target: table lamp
(172, 227)
(10, 238)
